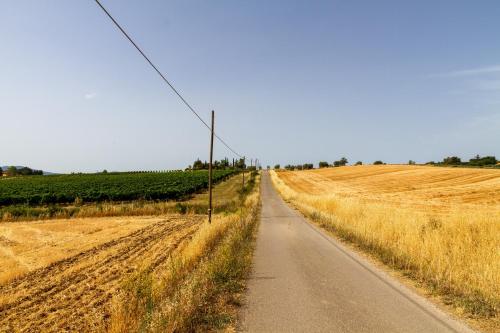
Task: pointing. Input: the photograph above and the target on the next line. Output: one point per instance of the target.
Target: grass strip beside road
(200, 288)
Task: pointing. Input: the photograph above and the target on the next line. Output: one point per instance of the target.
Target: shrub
(359, 163)
(342, 162)
(323, 164)
(277, 166)
(378, 162)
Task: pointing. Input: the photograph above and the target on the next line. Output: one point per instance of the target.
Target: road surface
(305, 281)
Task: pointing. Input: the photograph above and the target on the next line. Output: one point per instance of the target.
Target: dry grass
(439, 225)
(197, 290)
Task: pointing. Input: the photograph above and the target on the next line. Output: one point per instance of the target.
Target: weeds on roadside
(199, 288)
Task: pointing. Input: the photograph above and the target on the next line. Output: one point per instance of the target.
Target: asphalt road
(305, 281)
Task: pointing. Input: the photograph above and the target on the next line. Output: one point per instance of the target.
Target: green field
(63, 189)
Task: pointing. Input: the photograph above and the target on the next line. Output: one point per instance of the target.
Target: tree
(240, 164)
(323, 164)
(411, 162)
(198, 165)
(378, 162)
(1, 172)
(307, 166)
(359, 163)
(452, 160)
(24, 171)
(481, 161)
(341, 162)
(224, 163)
(11, 171)
(277, 166)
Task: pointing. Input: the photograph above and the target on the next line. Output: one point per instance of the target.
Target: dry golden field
(82, 273)
(441, 226)
(422, 188)
(74, 292)
(26, 246)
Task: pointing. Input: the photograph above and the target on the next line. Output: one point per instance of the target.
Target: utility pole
(210, 170)
(243, 188)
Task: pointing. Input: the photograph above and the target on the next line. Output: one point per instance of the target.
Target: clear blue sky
(291, 81)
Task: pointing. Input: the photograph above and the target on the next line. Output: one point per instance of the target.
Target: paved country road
(305, 281)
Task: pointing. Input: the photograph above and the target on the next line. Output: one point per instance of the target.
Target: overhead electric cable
(163, 77)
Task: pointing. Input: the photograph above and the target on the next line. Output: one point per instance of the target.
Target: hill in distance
(45, 173)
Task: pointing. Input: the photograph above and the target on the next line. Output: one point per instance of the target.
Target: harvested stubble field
(440, 226)
(72, 293)
(82, 273)
(416, 187)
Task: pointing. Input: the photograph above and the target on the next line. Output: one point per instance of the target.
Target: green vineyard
(42, 190)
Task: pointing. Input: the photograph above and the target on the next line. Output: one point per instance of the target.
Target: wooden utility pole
(210, 170)
(243, 173)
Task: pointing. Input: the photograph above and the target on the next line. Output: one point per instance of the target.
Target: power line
(164, 78)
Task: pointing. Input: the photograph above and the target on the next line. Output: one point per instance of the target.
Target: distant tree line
(321, 164)
(342, 162)
(13, 171)
(477, 161)
(220, 165)
(305, 166)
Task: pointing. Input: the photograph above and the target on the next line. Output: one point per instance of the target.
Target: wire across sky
(164, 78)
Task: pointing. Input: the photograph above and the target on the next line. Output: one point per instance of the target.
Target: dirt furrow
(76, 292)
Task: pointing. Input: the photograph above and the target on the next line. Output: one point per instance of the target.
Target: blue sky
(290, 81)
